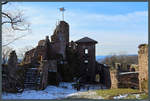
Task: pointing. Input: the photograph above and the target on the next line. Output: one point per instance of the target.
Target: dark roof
(86, 40)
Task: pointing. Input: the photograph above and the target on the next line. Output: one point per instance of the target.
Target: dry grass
(110, 93)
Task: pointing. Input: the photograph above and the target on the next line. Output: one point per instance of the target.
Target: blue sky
(119, 27)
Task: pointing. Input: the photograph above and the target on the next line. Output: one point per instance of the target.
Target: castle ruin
(143, 67)
(56, 59)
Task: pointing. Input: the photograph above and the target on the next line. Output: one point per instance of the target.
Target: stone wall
(60, 38)
(44, 73)
(87, 60)
(114, 80)
(128, 80)
(104, 73)
(44, 51)
(124, 79)
(47, 68)
(61, 32)
(143, 66)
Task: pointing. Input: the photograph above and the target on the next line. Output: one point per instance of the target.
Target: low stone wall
(124, 79)
(128, 80)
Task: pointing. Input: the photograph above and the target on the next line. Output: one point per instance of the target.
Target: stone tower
(60, 38)
(86, 49)
(143, 66)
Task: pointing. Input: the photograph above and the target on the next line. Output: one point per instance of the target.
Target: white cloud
(115, 33)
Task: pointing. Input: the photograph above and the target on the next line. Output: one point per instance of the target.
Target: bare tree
(21, 52)
(12, 21)
(5, 54)
(123, 59)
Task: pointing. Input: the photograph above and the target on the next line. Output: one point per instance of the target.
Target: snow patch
(121, 96)
(128, 73)
(51, 92)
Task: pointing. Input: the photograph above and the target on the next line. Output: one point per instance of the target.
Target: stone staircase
(31, 78)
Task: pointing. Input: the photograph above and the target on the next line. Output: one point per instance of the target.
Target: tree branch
(4, 2)
(14, 21)
(14, 40)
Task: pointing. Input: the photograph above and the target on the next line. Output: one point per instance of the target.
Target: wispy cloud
(114, 32)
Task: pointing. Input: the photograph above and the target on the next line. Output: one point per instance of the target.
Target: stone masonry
(86, 50)
(143, 66)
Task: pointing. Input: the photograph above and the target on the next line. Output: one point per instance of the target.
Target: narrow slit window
(86, 51)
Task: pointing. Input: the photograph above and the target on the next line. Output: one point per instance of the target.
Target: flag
(62, 9)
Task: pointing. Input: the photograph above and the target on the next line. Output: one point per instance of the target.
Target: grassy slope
(110, 93)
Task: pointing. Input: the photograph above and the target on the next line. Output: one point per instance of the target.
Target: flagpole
(62, 10)
(63, 15)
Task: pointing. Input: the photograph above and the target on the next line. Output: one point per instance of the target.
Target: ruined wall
(28, 56)
(124, 79)
(114, 79)
(107, 79)
(48, 70)
(59, 48)
(60, 38)
(143, 66)
(104, 74)
(34, 55)
(128, 80)
(44, 51)
(61, 29)
(44, 74)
